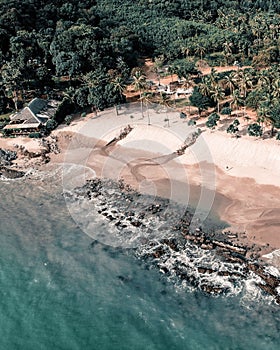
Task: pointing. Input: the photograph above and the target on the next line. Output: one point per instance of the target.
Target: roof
(37, 111)
(21, 126)
(24, 115)
(37, 105)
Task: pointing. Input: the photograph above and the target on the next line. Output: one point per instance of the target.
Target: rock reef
(162, 234)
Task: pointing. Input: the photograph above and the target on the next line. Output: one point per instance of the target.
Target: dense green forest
(88, 50)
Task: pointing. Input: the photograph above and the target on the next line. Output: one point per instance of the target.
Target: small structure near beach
(32, 117)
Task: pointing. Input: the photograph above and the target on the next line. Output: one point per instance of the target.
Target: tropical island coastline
(139, 174)
(127, 107)
(246, 200)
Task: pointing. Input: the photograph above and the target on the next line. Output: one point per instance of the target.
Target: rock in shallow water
(9, 173)
(7, 157)
(200, 259)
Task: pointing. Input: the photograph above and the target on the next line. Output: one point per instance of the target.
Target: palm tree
(236, 99)
(213, 77)
(165, 102)
(200, 50)
(263, 113)
(267, 98)
(139, 84)
(205, 86)
(229, 82)
(217, 94)
(185, 51)
(246, 82)
(118, 86)
(173, 69)
(276, 88)
(263, 79)
(188, 82)
(158, 63)
(147, 98)
(227, 51)
(209, 83)
(12, 80)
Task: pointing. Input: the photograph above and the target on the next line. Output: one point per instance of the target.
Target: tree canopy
(80, 43)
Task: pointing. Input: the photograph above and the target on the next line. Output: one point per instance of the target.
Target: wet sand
(248, 207)
(238, 179)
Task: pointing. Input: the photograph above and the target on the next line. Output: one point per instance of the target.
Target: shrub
(4, 121)
(68, 119)
(255, 130)
(236, 122)
(66, 107)
(35, 135)
(183, 115)
(6, 133)
(212, 120)
(51, 125)
(232, 129)
(3, 124)
(226, 111)
(191, 122)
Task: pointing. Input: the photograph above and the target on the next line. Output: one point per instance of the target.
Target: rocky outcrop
(123, 133)
(6, 162)
(10, 173)
(7, 157)
(163, 237)
(14, 164)
(190, 140)
(50, 145)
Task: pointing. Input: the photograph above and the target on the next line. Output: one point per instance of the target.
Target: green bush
(68, 119)
(2, 125)
(51, 124)
(212, 120)
(255, 130)
(66, 107)
(232, 129)
(35, 135)
(183, 115)
(226, 111)
(6, 133)
(236, 122)
(4, 121)
(191, 122)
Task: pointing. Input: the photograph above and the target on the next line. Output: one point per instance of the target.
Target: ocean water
(59, 289)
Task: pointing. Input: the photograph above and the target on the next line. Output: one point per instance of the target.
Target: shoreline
(166, 235)
(241, 173)
(250, 187)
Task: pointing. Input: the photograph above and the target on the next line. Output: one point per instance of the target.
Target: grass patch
(182, 102)
(5, 116)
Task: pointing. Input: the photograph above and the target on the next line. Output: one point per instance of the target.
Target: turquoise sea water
(60, 291)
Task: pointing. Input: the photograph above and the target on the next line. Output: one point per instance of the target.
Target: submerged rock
(7, 157)
(9, 173)
(160, 231)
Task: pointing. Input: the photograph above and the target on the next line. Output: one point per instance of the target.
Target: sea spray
(158, 232)
(62, 289)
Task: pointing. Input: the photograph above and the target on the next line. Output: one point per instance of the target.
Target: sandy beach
(242, 174)
(235, 178)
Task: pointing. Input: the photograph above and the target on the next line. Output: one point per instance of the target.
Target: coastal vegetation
(90, 51)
